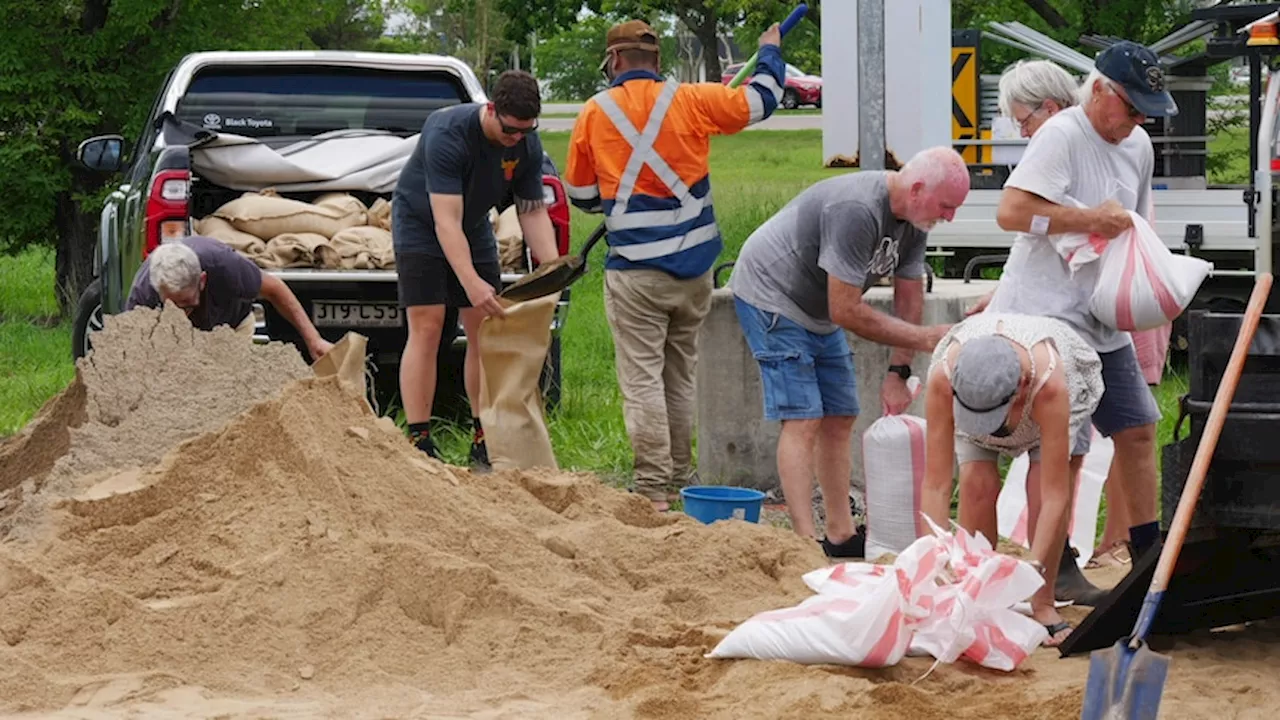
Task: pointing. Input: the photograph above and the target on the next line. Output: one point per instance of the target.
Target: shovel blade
(1124, 684)
(546, 280)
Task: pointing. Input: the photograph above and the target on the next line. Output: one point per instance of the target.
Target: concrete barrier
(735, 444)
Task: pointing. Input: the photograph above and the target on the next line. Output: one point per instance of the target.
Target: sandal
(1117, 553)
(1053, 630)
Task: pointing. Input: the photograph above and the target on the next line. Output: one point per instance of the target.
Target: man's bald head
(930, 187)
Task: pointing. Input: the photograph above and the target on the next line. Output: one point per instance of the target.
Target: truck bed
(1220, 213)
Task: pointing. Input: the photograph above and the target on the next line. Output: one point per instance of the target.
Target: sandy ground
(266, 547)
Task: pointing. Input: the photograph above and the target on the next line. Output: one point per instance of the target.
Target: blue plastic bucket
(709, 503)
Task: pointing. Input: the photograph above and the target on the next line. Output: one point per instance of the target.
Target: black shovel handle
(596, 235)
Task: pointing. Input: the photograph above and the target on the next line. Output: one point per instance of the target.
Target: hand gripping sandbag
(1141, 284)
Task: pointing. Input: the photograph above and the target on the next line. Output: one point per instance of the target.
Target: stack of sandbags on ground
(336, 231)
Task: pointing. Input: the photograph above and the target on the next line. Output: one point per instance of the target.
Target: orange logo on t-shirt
(509, 168)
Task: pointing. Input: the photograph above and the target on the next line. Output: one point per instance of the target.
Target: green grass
(35, 348)
(753, 175)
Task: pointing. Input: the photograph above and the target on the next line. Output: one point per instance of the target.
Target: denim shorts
(803, 375)
(1126, 398)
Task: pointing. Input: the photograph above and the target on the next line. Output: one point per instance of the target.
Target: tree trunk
(73, 264)
(1048, 13)
(705, 31)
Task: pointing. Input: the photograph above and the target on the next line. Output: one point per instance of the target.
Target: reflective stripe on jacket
(639, 154)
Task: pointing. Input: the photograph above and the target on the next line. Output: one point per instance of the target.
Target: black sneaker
(427, 446)
(854, 547)
(479, 456)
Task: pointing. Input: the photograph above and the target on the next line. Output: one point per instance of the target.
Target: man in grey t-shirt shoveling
(798, 285)
(1082, 172)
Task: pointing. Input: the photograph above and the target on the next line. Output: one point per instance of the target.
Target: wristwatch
(903, 371)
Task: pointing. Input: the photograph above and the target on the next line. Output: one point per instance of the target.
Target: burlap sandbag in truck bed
(513, 351)
(291, 250)
(242, 242)
(266, 215)
(379, 214)
(342, 202)
(358, 248)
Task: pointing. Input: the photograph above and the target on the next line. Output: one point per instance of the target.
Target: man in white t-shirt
(1082, 171)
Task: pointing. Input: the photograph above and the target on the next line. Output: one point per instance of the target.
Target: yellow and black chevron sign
(966, 95)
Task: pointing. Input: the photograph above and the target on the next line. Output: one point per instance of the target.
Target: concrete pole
(871, 108)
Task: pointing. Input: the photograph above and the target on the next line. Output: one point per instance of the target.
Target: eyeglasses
(1134, 113)
(514, 130)
(1024, 120)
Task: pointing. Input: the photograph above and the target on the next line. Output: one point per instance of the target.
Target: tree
(475, 31)
(349, 25)
(707, 20)
(83, 67)
(570, 60)
(801, 47)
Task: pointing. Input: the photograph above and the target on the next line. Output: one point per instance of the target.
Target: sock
(479, 431)
(419, 433)
(1143, 537)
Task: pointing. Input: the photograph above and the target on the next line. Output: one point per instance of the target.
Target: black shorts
(427, 280)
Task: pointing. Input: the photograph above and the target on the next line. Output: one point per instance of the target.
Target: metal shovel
(554, 276)
(1126, 680)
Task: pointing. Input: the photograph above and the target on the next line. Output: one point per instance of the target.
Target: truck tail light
(167, 208)
(558, 209)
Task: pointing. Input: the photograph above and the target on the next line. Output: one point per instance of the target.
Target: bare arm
(1019, 209)
(939, 457)
(1051, 412)
(908, 305)
(286, 303)
(447, 212)
(848, 311)
(539, 234)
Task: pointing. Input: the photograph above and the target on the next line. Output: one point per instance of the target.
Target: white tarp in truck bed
(350, 160)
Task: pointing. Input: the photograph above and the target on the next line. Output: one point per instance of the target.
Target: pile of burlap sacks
(336, 232)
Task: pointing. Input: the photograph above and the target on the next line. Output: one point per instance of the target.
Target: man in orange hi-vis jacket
(638, 154)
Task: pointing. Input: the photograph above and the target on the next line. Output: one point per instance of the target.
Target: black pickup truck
(366, 110)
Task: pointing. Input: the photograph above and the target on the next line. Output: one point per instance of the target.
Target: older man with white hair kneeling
(214, 285)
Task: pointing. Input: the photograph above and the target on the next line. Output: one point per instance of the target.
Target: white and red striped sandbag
(945, 595)
(893, 465)
(1141, 283)
(862, 615)
(973, 616)
(1011, 505)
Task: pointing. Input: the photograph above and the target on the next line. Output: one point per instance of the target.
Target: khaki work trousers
(655, 319)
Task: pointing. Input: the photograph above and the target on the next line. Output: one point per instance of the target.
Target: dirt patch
(32, 452)
(295, 557)
(151, 382)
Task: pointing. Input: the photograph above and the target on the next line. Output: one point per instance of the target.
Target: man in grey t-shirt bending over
(798, 284)
(1082, 172)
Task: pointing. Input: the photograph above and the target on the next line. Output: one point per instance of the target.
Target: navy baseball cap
(1136, 68)
(983, 384)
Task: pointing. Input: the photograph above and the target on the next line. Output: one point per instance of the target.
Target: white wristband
(1039, 225)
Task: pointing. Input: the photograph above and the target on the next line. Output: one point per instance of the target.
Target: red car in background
(801, 88)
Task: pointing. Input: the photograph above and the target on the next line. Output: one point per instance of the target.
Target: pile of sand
(300, 559)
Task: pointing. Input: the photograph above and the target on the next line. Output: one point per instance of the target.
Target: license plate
(354, 314)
